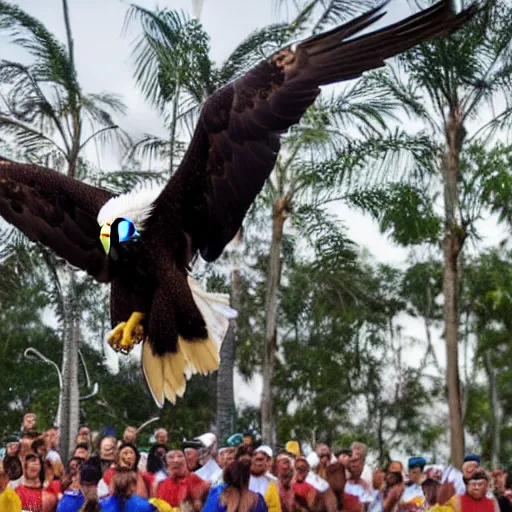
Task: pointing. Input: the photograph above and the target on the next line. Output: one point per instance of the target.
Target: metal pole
(48, 361)
(95, 388)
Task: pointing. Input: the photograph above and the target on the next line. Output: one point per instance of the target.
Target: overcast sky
(103, 62)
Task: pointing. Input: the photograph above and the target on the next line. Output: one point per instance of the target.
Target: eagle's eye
(126, 230)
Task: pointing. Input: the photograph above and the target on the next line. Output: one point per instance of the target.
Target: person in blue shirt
(74, 499)
(123, 498)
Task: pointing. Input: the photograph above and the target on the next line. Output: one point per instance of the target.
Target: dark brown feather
(57, 211)
(236, 141)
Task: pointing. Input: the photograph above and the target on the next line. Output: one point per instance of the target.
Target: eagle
(143, 242)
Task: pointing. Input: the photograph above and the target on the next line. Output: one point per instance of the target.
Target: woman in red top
(30, 492)
(181, 485)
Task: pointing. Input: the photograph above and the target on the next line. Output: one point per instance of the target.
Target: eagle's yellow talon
(127, 334)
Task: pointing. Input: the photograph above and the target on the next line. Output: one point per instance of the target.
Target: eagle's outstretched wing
(57, 211)
(236, 142)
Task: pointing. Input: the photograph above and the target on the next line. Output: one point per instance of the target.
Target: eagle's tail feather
(167, 375)
(202, 356)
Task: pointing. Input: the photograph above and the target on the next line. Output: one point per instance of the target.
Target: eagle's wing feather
(57, 211)
(236, 142)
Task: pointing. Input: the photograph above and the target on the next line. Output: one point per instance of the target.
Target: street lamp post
(31, 352)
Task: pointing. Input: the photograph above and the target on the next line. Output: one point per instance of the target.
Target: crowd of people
(109, 475)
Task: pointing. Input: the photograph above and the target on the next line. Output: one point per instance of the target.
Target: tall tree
(50, 119)
(445, 84)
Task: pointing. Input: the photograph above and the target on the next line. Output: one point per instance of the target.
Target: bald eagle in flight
(142, 244)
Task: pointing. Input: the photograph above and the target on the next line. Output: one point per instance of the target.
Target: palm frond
(53, 64)
(335, 12)
(27, 138)
(171, 50)
(125, 180)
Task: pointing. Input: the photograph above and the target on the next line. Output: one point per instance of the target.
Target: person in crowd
(14, 470)
(162, 436)
(394, 486)
(357, 492)
(9, 500)
(72, 497)
(285, 472)
(107, 452)
(81, 451)
(29, 422)
(413, 498)
(33, 497)
(209, 470)
(51, 483)
(260, 481)
(343, 456)
(324, 454)
(470, 465)
(225, 456)
(90, 476)
(305, 494)
(156, 469)
(505, 497)
(130, 435)
(361, 450)
(52, 439)
(13, 447)
(181, 486)
(128, 457)
(38, 447)
(475, 499)
(124, 497)
(27, 438)
(70, 478)
(430, 488)
(192, 457)
(292, 448)
(234, 495)
(84, 436)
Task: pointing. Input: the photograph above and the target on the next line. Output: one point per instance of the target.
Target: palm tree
(446, 85)
(321, 164)
(49, 119)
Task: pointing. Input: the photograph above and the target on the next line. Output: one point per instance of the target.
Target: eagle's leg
(127, 334)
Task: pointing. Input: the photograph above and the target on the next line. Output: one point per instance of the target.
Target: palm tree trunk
(69, 421)
(174, 122)
(69, 34)
(225, 388)
(279, 216)
(495, 411)
(453, 242)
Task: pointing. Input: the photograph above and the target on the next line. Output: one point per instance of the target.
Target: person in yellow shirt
(260, 481)
(9, 501)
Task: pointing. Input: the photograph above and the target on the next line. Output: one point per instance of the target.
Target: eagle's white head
(126, 214)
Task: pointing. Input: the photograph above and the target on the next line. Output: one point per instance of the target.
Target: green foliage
(402, 210)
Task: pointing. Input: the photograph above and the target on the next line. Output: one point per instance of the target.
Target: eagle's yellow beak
(105, 237)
